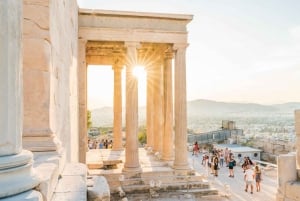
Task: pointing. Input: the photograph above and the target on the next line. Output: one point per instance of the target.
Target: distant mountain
(207, 108)
(215, 108)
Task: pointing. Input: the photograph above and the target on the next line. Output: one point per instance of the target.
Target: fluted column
(181, 159)
(16, 173)
(117, 144)
(168, 145)
(297, 129)
(131, 153)
(157, 108)
(82, 85)
(150, 106)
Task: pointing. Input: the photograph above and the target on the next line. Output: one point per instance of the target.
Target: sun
(139, 72)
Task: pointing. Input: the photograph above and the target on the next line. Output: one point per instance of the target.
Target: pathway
(237, 184)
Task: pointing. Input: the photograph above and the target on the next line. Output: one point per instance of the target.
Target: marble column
(181, 159)
(150, 106)
(168, 145)
(117, 144)
(82, 86)
(131, 150)
(158, 108)
(297, 129)
(39, 125)
(16, 172)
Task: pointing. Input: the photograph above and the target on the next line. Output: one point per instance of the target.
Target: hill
(208, 108)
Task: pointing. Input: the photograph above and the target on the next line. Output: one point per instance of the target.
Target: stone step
(165, 187)
(144, 193)
(72, 184)
(183, 180)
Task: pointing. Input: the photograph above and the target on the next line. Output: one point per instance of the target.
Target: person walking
(249, 178)
(231, 165)
(216, 165)
(196, 149)
(257, 177)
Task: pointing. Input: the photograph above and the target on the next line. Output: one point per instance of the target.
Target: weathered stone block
(292, 190)
(100, 190)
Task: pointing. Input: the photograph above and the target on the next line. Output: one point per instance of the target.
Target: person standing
(257, 177)
(231, 165)
(196, 149)
(249, 178)
(216, 165)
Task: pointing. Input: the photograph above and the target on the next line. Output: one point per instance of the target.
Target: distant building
(239, 152)
(228, 125)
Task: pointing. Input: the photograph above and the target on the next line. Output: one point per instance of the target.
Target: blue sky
(240, 51)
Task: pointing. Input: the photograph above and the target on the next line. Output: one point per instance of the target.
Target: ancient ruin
(45, 49)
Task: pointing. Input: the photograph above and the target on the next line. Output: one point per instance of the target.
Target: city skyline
(238, 51)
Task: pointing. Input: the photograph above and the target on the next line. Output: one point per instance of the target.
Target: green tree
(142, 136)
(89, 119)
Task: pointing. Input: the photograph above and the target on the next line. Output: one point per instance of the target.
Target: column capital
(169, 54)
(132, 53)
(117, 63)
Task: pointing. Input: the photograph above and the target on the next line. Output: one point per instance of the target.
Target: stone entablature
(133, 26)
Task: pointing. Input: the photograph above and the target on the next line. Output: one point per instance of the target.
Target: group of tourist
(218, 158)
(102, 144)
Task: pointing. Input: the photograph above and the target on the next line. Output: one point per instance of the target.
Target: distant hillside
(214, 108)
(207, 108)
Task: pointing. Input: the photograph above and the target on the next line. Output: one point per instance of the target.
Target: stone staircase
(164, 182)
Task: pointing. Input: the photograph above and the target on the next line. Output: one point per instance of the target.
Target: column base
(179, 167)
(17, 174)
(132, 169)
(31, 195)
(168, 158)
(42, 143)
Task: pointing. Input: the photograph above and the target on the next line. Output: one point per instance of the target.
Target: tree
(142, 136)
(89, 119)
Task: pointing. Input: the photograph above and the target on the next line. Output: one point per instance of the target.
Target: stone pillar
(297, 129)
(168, 145)
(117, 144)
(39, 125)
(157, 107)
(82, 86)
(285, 162)
(150, 106)
(131, 152)
(16, 173)
(181, 159)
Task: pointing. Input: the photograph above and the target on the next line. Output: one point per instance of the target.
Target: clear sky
(240, 51)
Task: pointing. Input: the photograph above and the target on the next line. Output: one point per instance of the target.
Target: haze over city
(239, 51)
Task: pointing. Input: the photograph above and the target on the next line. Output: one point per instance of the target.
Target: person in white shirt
(249, 177)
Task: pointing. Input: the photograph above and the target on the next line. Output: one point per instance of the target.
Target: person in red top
(196, 149)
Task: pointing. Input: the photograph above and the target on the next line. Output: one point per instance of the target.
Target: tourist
(231, 165)
(216, 165)
(226, 156)
(257, 177)
(101, 144)
(196, 149)
(249, 178)
(221, 159)
(106, 144)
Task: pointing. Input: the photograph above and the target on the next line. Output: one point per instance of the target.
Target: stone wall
(50, 76)
(64, 40)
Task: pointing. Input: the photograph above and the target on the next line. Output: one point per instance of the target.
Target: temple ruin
(45, 49)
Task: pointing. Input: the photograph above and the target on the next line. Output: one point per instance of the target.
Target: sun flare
(139, 72)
